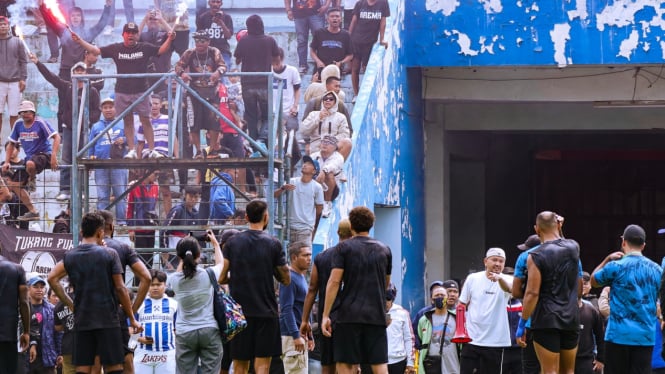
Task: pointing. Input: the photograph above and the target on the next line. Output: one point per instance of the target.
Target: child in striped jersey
(155, 352)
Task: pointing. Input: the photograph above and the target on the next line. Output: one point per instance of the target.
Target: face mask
(439, 302)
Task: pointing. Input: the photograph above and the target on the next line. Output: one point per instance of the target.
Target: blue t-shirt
(33, 139)
(291, 303)
(102, 148)
(634, 282)
(520, 265)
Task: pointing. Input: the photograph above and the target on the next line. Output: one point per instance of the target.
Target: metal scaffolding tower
(275, 159)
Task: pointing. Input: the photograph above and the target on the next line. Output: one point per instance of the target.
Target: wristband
(521, 327)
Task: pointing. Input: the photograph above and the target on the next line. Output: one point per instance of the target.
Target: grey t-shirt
(449, 360)
(302, 210)
(194, 296)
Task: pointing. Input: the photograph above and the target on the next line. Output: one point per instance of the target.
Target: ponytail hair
(188, 250)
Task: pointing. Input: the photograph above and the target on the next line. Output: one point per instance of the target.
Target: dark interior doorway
(600, 182)
(599, 193)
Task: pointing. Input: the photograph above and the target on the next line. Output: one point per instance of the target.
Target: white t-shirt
(349, 4)
(303, 201)
(486, 315)
(194, 297)
(290, 78)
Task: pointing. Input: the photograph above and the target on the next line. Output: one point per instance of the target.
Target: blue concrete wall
(534, 32)
(385, 167)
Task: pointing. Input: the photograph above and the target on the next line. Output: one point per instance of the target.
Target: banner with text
(35, 251)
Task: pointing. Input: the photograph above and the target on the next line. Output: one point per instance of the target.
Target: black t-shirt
(64, 317)
(331, 47)
(323, 263)
(126, 254)
(11, 277)
(91, 269)
(253, 258)
(305, 8)
(592, 334)
(557, 308)
(130, 60)
(205, 23)
(366, 263)
(256, 52)
(36, 320)
(368, 21)
(160, 63)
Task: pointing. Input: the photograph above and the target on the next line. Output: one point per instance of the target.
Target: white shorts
(10, 95)
(294, 362)
(149, 362)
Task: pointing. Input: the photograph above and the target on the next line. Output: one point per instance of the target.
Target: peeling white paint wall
(560, 35)
(447, 7)
(597, 32)
(628, 46)
(492, 6)
(464, 43)
(579, 12)
(621, 13)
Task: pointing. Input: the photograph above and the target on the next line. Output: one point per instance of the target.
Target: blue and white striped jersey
(157, 316)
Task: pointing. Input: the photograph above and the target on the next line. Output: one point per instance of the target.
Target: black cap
(201, 35)
(312, 161)
(634, 234)
(130, 27)
(226, 235)
(530, 242)
(450, 284)
(435, 284)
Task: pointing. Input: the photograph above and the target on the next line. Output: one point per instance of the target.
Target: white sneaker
(63, 196)
(108, 30)
(131, 155)
(155, 154)
(327, 209)
(342, 176)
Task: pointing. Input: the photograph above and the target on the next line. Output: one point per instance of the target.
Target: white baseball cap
(495, 251)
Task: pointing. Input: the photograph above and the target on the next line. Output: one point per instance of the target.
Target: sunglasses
(201, 41)
(328, 98)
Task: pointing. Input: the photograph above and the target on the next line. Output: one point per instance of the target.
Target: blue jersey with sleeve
(634, 281)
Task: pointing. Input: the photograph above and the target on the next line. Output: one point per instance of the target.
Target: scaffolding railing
(275, 158)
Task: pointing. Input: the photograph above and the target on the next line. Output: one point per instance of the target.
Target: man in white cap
(485, 295)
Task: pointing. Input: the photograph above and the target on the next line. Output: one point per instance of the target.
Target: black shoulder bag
(432, 364)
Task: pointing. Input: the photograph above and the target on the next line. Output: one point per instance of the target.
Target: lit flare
(19, 33)
(180, 10)
(54, 9)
